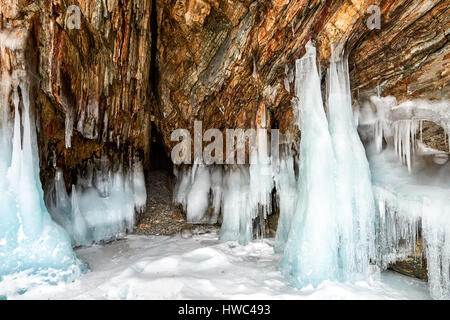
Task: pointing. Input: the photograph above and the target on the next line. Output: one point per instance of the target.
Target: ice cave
(256, 150)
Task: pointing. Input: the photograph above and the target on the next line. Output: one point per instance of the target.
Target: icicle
(182, 186)
(286, 186)
(237, 216)
(81, 235)
(255, 72)
(311, 253)
(198, 196)
(139, 189)
(355, 207)
(68, 128)
(31, 241)
(217, 193)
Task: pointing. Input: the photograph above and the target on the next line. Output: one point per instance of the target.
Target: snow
(157, 267)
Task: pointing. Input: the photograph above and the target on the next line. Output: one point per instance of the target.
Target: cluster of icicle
(241, 193)
(327, 231)
(101, 206)
(29, 240)
(399, 124)
(413, 203)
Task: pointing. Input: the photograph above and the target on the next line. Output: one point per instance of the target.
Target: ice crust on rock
(30, 242)
(102, 205)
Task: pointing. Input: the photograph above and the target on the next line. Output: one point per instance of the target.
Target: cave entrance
(159, 159)
(161, 217)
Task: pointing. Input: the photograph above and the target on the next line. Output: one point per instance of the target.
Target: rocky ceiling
(170, 62)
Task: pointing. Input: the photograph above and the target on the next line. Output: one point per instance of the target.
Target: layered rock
(93, 74)
(222, 61)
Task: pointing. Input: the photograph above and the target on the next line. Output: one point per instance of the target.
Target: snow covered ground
(160, 267)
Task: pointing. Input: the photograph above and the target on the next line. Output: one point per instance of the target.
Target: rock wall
(93, 75)
(224, 62)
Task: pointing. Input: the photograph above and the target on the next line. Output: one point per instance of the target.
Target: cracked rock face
(224, 62)
(93, 74)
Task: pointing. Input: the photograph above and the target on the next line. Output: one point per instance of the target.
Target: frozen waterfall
(311, 253)
(411, 184)
(29, 240)
(102, 205)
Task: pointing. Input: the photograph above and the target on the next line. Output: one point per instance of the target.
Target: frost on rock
(30, 242)
(102, 205)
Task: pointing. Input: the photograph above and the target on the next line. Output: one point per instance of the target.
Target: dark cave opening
(159, 159)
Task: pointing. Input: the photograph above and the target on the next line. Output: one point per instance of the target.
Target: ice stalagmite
(286, 186)
(237, 214)
(311, 253)
(198, 196)
(355, 207)
(29, 239)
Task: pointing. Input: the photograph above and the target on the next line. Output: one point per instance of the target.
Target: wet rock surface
(414, 266)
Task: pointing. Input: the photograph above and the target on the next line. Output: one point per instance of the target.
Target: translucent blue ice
(29, 239)
(333, 230)
(311, 253)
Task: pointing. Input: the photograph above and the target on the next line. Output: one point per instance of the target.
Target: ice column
(355, 207)
(29, 239)
(311, 253)
(286, 186)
